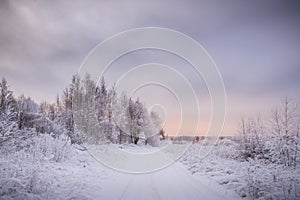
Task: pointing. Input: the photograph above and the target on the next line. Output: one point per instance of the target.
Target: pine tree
(8, 113)
(67, 115)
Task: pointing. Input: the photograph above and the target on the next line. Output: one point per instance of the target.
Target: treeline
(85, 112)
(276, 140)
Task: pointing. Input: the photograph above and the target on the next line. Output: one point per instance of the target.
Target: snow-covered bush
(251, 139)
(46, 147)
(271, 181)
(18, 142)
(38, 147)
(7, 128)
(25, 156)
(251, 179)
(142, 139)
(227, 148)
(153, 140)
(20, 183)
(19, 177)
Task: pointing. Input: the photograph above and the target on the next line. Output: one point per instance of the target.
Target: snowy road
(173, 182)
(82, 177)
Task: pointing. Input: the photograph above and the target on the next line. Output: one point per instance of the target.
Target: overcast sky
(255, 44)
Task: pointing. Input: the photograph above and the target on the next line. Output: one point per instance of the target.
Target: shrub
(46, 147)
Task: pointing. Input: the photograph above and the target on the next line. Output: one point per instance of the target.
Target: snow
(83, 177)
(138, 149)
(253, 179)
(52, 168)
(173, 182)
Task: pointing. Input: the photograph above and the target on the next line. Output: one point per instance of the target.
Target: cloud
(254, 43)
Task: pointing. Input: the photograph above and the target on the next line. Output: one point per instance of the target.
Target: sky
(255, 45)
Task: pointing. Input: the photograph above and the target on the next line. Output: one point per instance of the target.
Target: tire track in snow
(154, 188)
(126, 188)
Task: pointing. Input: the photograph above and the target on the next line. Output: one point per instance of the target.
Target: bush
(271, 181)
(46, 147)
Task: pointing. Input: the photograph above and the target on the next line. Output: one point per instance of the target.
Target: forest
(85, 113)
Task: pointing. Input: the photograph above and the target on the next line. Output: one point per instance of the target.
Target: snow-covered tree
(27, 111)
(85, 111)
(157, 122)
(102, 101)
(121, 117)
(95, 113)
(155, 127)
(103, 106)
(285, 129)
(136, 119)
(8, 113)
(141, 121)
(66, 115)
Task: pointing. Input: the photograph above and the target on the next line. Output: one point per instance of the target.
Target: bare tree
(285, 128)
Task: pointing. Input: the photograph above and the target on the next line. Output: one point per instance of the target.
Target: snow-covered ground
(173, 182)
(253, 179)
(49, 168)
(80, 176)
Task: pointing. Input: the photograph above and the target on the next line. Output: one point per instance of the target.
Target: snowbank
(255, 179)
